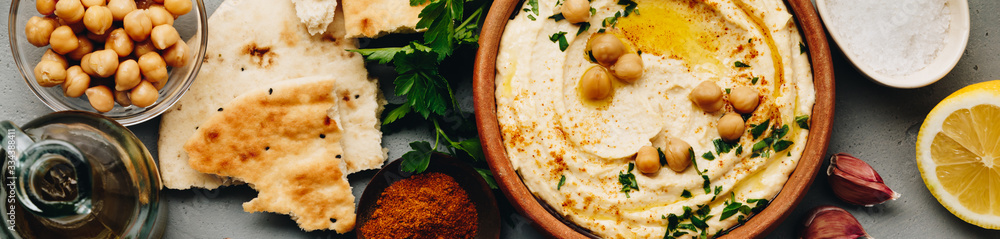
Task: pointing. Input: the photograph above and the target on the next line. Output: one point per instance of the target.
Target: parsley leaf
(416, 161)
(561, 38)
(686, 194)
(740, 64)
(754, 80)
(562, 180)
(583, 28)
(803, 48)
(706, 184)
(663, 157)
(722, 146)
(781, 145)
(757, 130)
(557, 17)
(802, 121)
(693, 161)
(708, 155)
(627, 180)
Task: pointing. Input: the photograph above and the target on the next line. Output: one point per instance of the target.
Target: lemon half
(958, 153)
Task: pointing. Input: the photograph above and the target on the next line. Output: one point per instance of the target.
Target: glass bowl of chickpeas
(129, 60)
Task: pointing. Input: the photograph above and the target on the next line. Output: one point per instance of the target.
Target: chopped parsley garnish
(733, 207)
(739, 150)
(754, 80)
(781, 145)
(722, 146)
(802, 121)
(557, 17)
(532, 8)
(803, 48)
(560, 37)
(562, 180)
(761, 145)
(686, 194)
(693, 161)
(583, 28)
(707, 185)
(630, 7)
(746, 116)
(758, 130)
(627, 180)
(708, 155)
(610, 21)
(740, 64)
(663, 157)
(728, 90)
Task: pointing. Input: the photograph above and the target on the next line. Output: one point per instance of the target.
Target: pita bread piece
(282, 142)
(245, 52)
(375, 18)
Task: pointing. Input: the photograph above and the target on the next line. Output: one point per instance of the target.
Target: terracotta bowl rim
(554, 226)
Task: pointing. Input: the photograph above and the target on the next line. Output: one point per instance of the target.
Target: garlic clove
(829, 222)
(854, 181)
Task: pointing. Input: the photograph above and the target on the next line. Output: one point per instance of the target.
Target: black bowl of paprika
(448, 200)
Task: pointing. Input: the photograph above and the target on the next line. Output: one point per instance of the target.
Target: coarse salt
(895, 38)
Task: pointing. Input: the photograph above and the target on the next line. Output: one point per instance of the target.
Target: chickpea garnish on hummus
(594, 104)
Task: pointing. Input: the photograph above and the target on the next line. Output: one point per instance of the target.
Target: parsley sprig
(449, 26)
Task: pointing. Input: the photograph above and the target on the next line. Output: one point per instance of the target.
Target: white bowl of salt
(900, 43)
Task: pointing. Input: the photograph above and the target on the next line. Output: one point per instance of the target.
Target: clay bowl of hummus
(640, 119)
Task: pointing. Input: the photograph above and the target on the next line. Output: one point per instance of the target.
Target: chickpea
(153, 67)
(84, 47)
(100, 98)
(120, 8)
(678, 154)
(85, 64)
(98, 37)
(143, 94)
(98, 19)
(576, 11)
(39, 30)
(143, 47)
(595, 84)
(76, 82)
(164, 36)
(49, 73)
(159, 16)
(104, 62)
(91, 3)
(731, 127)
(606, 48)
(119, 41)
(63, 40)
(53, 56)
(160, 84)
(127, 75)
(744, 99)
(181, 7)
(708, 96)
(137, 25)
(70, 11)
(177, 55)
(45, 7)
(121, 97)
(647, 160)
(628, 67)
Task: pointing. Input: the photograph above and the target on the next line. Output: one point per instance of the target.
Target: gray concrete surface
(875, 123)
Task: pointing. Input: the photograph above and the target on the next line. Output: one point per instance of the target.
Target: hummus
(575, 154)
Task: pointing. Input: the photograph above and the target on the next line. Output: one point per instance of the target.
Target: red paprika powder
(429, 205)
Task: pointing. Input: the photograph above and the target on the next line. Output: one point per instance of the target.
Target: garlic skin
(855, 182)
(829, 222)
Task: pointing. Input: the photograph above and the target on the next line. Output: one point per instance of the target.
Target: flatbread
(245, 52)
(375, 18)
(282, 141)
(316, 14)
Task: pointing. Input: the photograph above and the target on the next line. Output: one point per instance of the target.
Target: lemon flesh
(958, 153)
